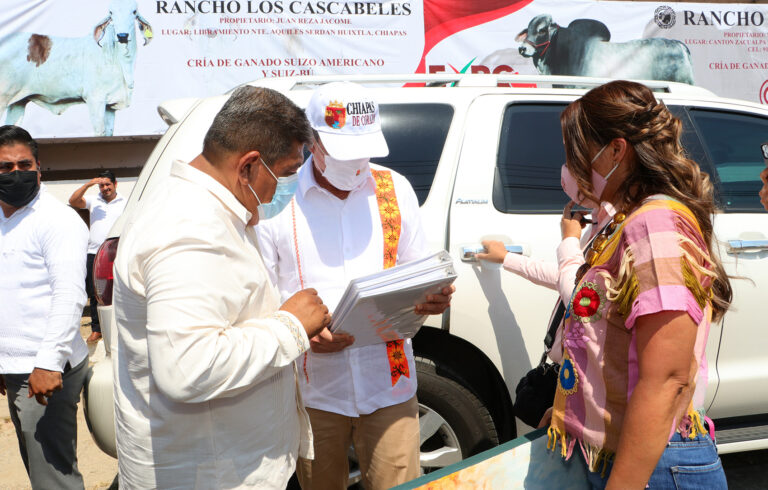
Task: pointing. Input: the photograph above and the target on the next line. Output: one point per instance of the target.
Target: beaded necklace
(598, 245)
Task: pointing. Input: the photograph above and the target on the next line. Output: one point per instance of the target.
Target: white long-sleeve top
(205, 387)
(330, 242)
(559, 275)
(42, 294)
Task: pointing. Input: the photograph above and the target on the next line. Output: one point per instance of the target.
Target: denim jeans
(686, 464)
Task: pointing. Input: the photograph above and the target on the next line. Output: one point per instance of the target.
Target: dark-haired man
(205, 384)
(104, 209)
(43, 359)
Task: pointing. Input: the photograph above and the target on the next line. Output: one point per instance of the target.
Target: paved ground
(98, 469)
(746, 471)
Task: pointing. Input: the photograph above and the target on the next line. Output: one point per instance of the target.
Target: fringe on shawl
(692, 425)
(624, 288)
(689, 263)
(597, 458)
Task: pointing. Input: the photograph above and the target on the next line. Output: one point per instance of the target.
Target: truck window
(530, 155)
(690, 138)
(415, 135)
(732, 142)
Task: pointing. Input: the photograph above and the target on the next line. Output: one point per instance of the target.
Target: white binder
(380, 307)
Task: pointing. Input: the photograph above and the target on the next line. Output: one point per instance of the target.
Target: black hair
(257, 118)
(108, 174)
(13, 135)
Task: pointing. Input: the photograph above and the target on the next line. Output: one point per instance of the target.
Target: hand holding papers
(380, 307)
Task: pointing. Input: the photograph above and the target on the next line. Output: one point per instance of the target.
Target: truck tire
(455, 424)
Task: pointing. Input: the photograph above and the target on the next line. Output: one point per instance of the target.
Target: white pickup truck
(483, 153)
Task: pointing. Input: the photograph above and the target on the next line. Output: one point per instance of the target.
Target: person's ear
(248, 166)
(314, 148)
(619, 148)
(318, 157)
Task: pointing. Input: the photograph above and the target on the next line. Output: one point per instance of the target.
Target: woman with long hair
(630, 394)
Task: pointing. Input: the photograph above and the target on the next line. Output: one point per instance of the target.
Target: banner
(721, 47)
(72, 71)
(523, 463)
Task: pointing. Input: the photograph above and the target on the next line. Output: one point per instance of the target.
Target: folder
(379, 307)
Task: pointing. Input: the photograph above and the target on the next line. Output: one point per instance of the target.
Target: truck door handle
(468, 254)
(736, 246)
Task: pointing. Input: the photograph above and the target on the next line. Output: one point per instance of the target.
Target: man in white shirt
(104, 209)
(350, 218)
(43, 359)
(206, 393)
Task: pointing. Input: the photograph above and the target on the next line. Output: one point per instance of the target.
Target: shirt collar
(186, 172)
(307, 179)
(33, 204)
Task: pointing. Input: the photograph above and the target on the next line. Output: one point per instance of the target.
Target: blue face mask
(286, 188)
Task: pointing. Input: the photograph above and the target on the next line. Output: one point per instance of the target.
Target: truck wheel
(454, 422)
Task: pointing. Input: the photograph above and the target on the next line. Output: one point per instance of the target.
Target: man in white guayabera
(205, 381)
(350, 218)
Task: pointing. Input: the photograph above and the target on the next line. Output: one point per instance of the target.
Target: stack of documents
(380, 307)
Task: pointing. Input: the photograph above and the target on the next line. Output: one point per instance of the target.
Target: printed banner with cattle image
(721, 47)
(74, 69)
(100, 68)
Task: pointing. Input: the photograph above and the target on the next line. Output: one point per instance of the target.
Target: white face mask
(346, 175)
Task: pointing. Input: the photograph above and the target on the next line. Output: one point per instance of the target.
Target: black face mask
(19, 187)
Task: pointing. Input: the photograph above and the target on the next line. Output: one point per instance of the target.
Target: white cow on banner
(58, 72)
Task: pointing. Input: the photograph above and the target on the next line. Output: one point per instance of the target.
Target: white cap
(347, 118)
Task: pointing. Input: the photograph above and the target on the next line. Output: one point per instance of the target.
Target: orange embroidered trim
(391, 227)
(390, 215)
(301, 277)
(398, 363)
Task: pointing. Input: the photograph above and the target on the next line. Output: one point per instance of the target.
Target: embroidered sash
(391, 227)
